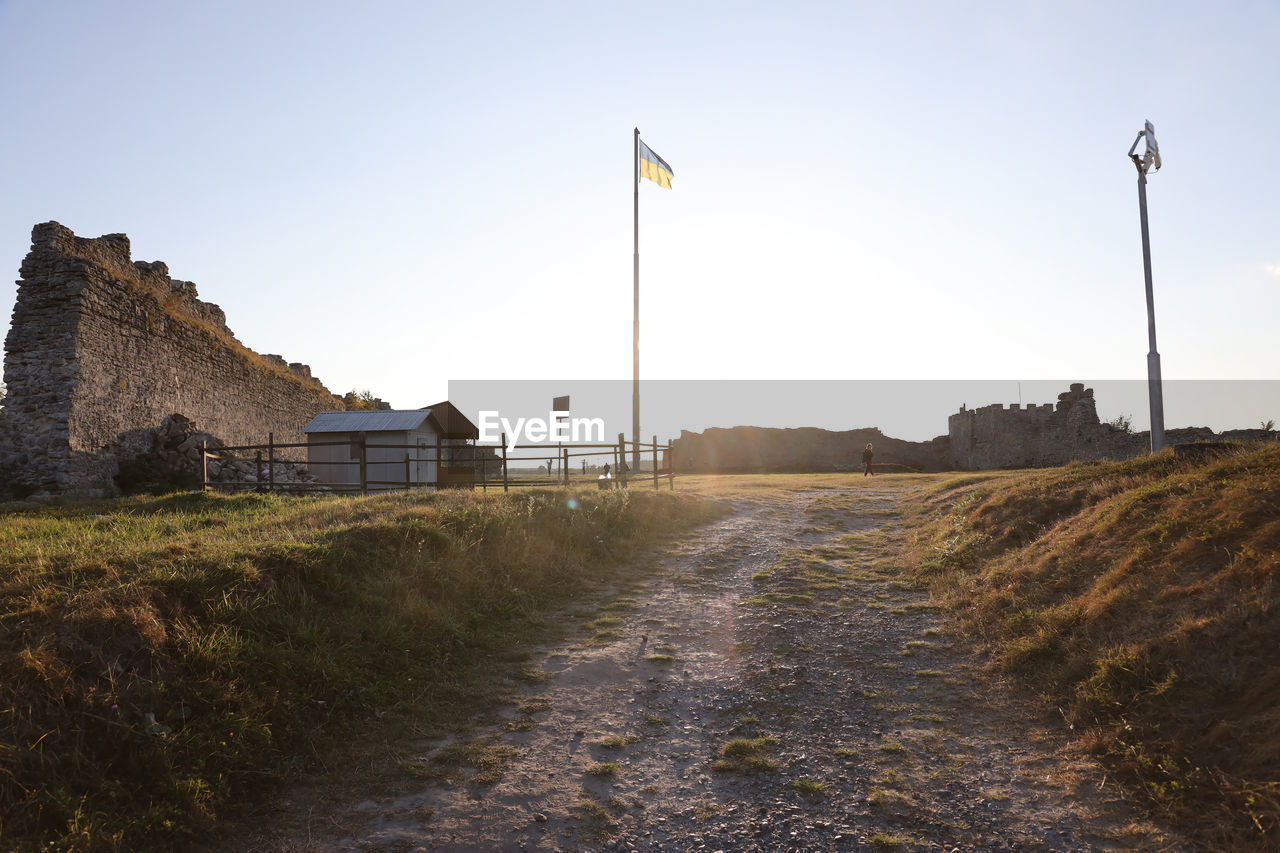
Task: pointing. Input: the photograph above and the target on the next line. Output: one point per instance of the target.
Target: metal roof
(368, 421)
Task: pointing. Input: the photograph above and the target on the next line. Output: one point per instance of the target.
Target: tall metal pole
(635, 352)
(1154, 391)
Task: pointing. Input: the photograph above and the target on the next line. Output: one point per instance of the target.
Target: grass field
(163, 659)
(1141, 600)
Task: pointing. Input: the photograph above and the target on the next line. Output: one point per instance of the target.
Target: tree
(1123, 423)
(361, 400)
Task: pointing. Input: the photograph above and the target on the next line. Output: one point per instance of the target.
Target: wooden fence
(379, 467)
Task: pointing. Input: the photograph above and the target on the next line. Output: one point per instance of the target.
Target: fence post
(439, 463)
(504, 462)
(565, 466)
(407, 484)
(257, 461)
(484, 468)
(622, 459)
(655, 463)
(364, 467)
(671, 465)
(271, 462)
(204, 467)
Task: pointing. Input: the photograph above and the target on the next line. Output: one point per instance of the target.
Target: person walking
(866, 461)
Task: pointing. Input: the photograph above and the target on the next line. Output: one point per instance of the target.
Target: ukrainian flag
(654, 167)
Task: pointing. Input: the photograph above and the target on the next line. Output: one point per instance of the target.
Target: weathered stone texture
(989, 437)
(1037, 436)
(805, 449)
(102, 349)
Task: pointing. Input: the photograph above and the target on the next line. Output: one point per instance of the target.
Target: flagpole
(635, 345)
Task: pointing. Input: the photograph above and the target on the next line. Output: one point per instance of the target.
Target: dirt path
(774, 688)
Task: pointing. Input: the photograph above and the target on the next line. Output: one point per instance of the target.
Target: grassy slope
(161, 658)
(1140, 598)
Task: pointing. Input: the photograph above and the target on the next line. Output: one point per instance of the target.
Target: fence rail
(439, 466)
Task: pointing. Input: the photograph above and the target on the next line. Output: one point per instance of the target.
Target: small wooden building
(401, 449)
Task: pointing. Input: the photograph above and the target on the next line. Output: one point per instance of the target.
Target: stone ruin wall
(103, 348)
(995, 436)
(1038, 436)
(1041, 436)
(762, 449)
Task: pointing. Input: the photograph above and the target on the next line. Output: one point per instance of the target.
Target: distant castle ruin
(103, 348)
(994, 436)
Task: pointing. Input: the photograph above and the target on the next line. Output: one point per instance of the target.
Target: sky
(405, 194)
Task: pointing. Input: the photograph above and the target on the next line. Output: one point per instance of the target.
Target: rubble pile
(174, 462)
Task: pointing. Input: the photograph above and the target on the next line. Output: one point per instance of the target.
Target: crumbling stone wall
(1038, 436)
(993, 436)
(102, 349)
(762, 449)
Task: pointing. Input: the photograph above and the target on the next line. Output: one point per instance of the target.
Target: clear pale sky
(406, 193)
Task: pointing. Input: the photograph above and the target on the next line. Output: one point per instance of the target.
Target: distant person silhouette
(866, 461)
(606, 469)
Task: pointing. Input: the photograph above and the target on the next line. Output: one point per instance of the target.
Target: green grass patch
(165, 658)
(747, 755)
(809, 787)
(748, 746)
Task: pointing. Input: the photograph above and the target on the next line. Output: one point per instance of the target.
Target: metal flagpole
(635, 350)
(1155, 393)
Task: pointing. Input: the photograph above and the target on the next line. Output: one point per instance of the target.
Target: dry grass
(1142, 599)
(162, 659)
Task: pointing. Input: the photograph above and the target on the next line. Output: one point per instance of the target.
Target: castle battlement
(1017, 435)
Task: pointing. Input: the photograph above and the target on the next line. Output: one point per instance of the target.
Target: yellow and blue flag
(654, 167)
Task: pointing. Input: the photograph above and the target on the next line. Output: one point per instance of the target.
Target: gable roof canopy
(453, 424)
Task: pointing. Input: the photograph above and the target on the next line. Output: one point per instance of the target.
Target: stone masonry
(994, 436)
(1041, 436)
(1037, 436)
(103, 348)
(763, 449)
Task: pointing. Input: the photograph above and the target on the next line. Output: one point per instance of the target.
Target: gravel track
(852, 720)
